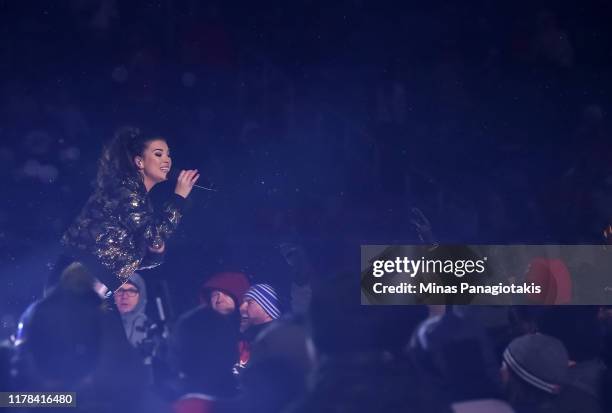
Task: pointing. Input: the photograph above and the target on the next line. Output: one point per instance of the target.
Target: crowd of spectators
(260, 352)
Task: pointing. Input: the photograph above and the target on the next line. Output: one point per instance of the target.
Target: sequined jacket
(118, 225)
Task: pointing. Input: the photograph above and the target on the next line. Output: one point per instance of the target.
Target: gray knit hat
(540, 360)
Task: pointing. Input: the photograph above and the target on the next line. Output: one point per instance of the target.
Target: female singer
(118, 232)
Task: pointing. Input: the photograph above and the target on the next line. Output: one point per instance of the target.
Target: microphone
(173, 176)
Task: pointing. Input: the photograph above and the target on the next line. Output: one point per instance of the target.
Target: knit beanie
(266, 297)
(540, 360)
(235, 284)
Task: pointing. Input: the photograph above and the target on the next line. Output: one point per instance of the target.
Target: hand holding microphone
(185, 181)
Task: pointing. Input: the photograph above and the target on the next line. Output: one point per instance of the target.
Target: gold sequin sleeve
(117, 226)
(138, 215)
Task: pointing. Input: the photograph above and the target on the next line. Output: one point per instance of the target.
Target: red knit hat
(235, 284)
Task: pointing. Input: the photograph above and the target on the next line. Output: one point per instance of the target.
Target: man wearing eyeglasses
(131, 300)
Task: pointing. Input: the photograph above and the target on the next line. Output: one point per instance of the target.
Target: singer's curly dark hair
(117, 160)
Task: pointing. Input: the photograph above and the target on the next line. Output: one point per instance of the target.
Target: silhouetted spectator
(454, 356)
(73, 341)
(278, 368)
(358, 365)
(203, 347)
(579, 330)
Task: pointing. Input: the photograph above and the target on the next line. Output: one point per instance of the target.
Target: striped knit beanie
(540, 360)
(266, 297)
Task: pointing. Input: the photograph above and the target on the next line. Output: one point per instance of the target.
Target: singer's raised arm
(139, 216)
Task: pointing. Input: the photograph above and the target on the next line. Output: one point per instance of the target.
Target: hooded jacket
(134, 322)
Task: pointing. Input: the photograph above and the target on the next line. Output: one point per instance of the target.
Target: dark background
(321, 123)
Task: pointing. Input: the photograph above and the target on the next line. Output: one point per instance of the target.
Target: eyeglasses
(129, 292)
